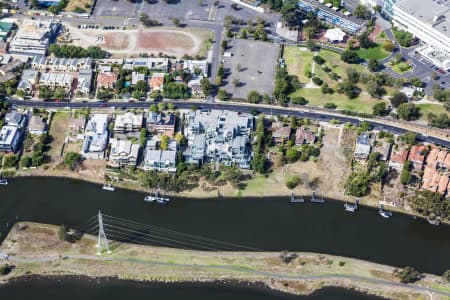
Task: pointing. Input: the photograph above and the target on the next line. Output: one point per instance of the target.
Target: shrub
(317, 81)
(330, 105)
(293, 182)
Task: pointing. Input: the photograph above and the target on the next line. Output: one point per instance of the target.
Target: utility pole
(102, 244)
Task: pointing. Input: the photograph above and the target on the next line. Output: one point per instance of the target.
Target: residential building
(446, 164)
(443, 184)
(34, 37)
(303, 136)
(160, 160)
(384, 149)
(398, 159)
(332, 15)
(429, 21)
(16, 119)
(280, 132)
(10, 67)
(10, 138)
(155, 64)
(84, 82)
(28, 80)
(220, 136)
(54, 80)
(430, 179)
(161, 123)
(363, 148)
(417, 156)
(156, 82)
(136, 76)
(37, 125)
(96, 137)
(128, 122)
(106, 80)
(123, 153)
(57, 64)
(76, 129)
(199, 68)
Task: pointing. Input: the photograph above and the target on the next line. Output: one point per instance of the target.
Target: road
(243, 107)
(327, 277)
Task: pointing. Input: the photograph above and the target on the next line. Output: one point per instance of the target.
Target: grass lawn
(334, 62)
(402, 68)
(427, 108)
(297, 59)
(376, 53)
(315, 98)
(205, 36)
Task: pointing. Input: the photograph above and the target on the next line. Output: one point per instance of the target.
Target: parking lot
(257, 61)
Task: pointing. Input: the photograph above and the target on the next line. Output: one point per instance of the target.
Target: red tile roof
(399, 157)
(432, 156)
(106, 79)
(415, 154)
(443, 184)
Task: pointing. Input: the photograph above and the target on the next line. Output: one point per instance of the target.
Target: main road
(397, 128)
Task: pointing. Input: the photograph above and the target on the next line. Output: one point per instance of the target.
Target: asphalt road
(321, 116)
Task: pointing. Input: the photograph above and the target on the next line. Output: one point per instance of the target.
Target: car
(103, 105)
(443, 82)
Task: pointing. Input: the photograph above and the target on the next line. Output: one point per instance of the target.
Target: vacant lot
(257, 62)
(427, 108)
(79, 6)
(58, 129)
(125, 43)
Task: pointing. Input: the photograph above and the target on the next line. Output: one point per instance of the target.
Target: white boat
(435, 222)
(3, 181)
(156, 198)
(109, 187)
(384, 213)
(351, 207)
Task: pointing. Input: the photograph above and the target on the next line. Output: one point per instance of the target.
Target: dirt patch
(126, 43)
(57, 135)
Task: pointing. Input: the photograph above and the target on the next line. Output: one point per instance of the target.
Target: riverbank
(36, 249)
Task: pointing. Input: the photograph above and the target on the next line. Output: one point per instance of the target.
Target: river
(75, 289)
(269, 224)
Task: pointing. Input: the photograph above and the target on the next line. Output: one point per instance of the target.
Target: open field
(57, 133)
(426, 108)
(363, 103)
(376, 53)
(126, 43)
(38, 250)
(297, 60)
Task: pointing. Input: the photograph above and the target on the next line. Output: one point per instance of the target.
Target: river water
(75, 289)
(269, 224)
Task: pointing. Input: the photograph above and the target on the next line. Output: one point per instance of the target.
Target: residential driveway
(258, 62)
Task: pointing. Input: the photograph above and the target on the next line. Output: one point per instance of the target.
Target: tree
(388, 46)
(352, 75)
(222, 95)
(405, 176)
(379, 109)
(292, 155)
(176, 22)
(310, 45)
(358, 184)
(350, 57)
(446, 275)
(143, 137)
(404, 38)
(407, 274)
(408, 111)
(37, 158)
(373, 65)
(25, 162)
(71, 159)
(415, 81)
(362, 12)
(330, 105)
(162, 106)
(398, 99)
(153, 108)
(206, 86)
(9, 161)
(164, 142)
(364, 40)
(236, 82)
(254, 97)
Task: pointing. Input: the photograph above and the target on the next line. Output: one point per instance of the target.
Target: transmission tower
(102, 244)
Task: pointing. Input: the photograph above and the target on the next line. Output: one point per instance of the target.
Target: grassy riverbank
(38, 250)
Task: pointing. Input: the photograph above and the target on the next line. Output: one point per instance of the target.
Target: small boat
(109, 187)
(384, 213)
(351, 207)
(314, 199)
(296, 200)
(3, 181)
(156, 198)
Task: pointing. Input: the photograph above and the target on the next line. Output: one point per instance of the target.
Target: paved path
(327, 277)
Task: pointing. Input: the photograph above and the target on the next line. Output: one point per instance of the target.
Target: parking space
(116, 8)
(183, 10)
(252, 63)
